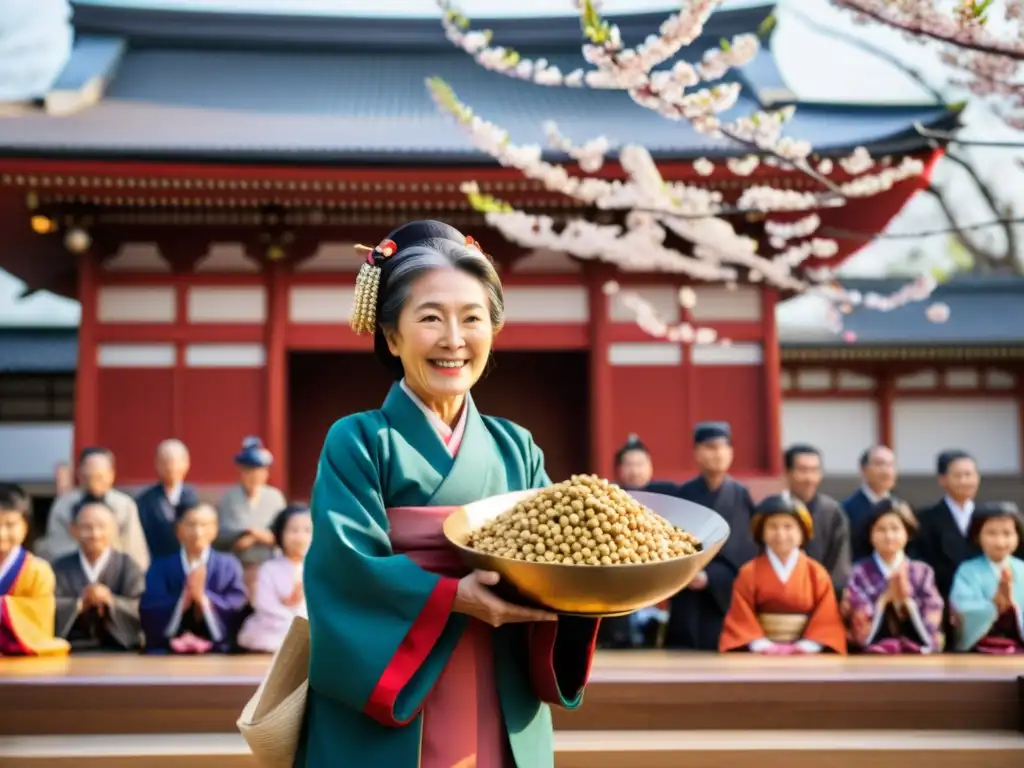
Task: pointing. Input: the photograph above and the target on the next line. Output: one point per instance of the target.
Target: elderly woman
(414, 662)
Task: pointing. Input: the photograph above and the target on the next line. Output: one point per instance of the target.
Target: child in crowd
(26, 585)
(891, 604)
(98, 588)
(988, 591)
(279, 594)
(783, 603)
(195, 599)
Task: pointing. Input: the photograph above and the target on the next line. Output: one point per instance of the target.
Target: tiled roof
(983, 310)
(256, 93)
(38, 350)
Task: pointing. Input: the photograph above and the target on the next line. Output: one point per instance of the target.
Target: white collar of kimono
(783, 569)
(1000, 566)
(93, 571)
(871, 495)
(962, 515)
(9, 561)
(446, 433)
(887, 569)
(202, 560)
(173, 494)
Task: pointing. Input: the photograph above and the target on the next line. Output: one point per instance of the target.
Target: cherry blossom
(654, 212)
(987, 63)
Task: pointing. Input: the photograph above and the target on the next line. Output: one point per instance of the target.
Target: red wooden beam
(181, 333)
(87, 372)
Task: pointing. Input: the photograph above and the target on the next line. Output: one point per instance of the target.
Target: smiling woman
(404, 642)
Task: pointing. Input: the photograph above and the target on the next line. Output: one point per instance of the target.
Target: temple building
(197, 181)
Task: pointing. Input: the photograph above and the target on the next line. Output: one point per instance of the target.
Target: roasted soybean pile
(583, 521)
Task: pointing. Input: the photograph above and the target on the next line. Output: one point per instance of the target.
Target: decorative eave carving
(901, 353)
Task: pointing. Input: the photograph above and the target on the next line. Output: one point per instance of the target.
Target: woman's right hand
(474, 598)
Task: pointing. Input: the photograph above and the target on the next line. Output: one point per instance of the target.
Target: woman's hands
(474, 598)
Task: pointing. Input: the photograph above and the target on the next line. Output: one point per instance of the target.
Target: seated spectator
(98, 588)
(783, 602)
(987, 598)
(279, 594)
(96, 479)
(246, 510)
(26, 585)
(158, 504)
(195, 599)
(891, 604)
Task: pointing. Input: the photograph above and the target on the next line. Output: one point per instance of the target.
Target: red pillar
(276, 385)
(87, 373)
(601, 395)
(772, 362)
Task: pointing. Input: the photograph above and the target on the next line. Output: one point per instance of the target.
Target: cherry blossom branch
(966, 29)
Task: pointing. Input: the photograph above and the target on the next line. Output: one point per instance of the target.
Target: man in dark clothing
(878, 472)
(697, 613)
(634, 469)
(830, 544)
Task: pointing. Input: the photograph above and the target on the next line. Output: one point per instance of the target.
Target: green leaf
(961, 257)
(725, 44)
(767, 26)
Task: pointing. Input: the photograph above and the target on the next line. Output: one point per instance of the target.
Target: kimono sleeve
(860, 608)
(28, 614)
(741, 626)
(927, 607)
(123, 617)
(381, 628)
(824, 625)
(967, 599)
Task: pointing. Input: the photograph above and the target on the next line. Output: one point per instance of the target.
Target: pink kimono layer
(265, 629)
(462, 714)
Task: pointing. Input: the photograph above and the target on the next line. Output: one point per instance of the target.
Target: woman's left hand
(474, 598)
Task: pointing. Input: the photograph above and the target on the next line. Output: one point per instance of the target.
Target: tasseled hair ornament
(364, 308)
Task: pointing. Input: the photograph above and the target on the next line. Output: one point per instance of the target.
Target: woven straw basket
(783, 627)
(271, 722)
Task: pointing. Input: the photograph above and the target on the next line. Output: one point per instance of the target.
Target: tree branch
(917, 30)
(875, 50)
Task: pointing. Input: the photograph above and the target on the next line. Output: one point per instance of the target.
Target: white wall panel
(644, 353)
(136, 355)
(231, 304)
(732, 354)
(717, 302)
(664, 300)
(315, 304)
(987, 428)
(841, 428)
(546, 304)
(29, 452)
(225, 356)
(129, 304)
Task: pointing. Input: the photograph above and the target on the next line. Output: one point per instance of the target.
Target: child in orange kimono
(783, 603)
(27, 584)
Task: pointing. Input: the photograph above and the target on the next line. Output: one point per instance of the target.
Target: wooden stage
(642, 710)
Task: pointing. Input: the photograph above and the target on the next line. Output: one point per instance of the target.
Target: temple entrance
(546, 392)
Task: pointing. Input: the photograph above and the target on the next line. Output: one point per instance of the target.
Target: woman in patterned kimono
(416, 663)
(987, 598)
(891, 604)
(783, 602)
(279, 595)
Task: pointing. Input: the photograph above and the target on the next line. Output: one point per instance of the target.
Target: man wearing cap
(246, 511)
(697, 613)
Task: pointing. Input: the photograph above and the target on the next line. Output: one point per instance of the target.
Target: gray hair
(173, 447)
(414, 263)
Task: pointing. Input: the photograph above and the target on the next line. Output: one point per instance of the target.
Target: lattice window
(33, 398)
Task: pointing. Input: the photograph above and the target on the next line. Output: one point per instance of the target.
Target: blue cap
(253, 455)
(707, 431)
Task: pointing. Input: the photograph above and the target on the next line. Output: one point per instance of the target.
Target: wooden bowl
(591, 590)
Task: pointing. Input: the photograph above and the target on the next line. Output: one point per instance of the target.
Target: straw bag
(271, 722)
(783, 627)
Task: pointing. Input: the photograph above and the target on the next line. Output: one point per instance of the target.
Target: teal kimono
(382, 627)
(971, 600)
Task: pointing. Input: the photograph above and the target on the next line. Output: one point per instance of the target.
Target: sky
(850, 75)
